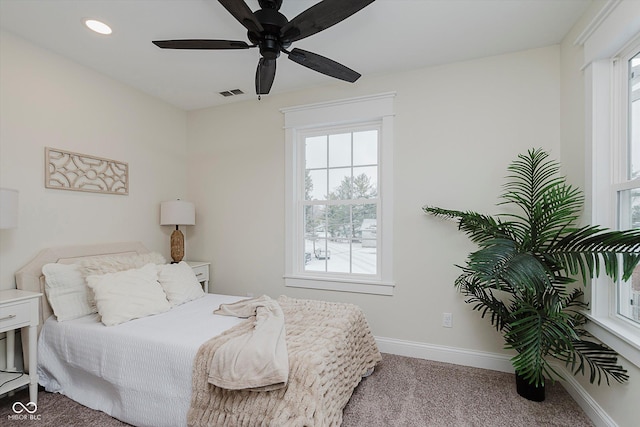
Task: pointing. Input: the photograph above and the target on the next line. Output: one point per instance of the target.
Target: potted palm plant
(523, 275)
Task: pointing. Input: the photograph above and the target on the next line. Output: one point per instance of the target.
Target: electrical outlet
(447, 320)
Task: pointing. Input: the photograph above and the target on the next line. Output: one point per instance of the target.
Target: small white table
(20, 309)
(201, 269)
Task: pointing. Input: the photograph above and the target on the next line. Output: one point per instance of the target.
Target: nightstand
(201, 269)
(20, 309)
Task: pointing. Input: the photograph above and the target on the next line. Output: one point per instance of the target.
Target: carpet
(402, 392)
(406, 391)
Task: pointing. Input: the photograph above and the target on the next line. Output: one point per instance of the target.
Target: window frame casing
(351, 112)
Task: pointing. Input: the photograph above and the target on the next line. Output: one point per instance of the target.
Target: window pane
(341, 231)
(340, 150)
(365, 148)
(634, 117)
(316, 185)
(316, 253)
(340, 184)
(635, 295)
(314, 220)
(365, 251)
(629, 291)
(316, 152)
(315, 238)
(339, 225)
(629, 208)
(340, 256)
(629, 297)
(365, 182)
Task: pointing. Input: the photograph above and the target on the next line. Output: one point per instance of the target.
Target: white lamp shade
(8, 208)
(177, 212)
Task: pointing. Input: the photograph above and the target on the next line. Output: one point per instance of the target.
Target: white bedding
(140, 371)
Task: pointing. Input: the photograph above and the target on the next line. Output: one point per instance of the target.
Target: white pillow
(67, 291)
(113, 263)
(128, 295)
(179, 283)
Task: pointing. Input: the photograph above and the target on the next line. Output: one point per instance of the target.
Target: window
(613, 129)
(627, 184)
(339, 160)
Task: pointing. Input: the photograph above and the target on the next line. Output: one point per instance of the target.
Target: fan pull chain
(259, 80)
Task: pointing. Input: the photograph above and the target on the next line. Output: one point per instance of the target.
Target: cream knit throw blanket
(256, 361)
(330, 348)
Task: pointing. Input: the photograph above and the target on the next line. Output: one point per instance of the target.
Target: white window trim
(335, 113)
(609, 33)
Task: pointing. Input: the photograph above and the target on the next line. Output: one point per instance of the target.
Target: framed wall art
(66, 170)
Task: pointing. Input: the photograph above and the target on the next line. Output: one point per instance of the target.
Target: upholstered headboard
(30, 277)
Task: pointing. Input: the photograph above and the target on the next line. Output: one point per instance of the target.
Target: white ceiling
(386, 36)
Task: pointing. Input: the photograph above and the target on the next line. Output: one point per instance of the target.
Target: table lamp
(177, 212)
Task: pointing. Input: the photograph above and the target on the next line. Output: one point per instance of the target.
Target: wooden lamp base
(177, 245)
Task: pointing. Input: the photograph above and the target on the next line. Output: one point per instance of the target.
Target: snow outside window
(339, 199)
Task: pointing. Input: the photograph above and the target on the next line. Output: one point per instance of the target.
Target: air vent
(231, 92)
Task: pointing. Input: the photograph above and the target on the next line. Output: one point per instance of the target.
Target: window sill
(341, 285)
(623, 338)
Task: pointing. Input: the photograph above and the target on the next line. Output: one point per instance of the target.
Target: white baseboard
(493, 361)
(594, 411)
(440, 353)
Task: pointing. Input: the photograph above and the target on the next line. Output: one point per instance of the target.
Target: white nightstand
(20, 309)
(201, 269)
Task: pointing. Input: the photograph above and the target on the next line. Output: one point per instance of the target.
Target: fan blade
(201, 44)
(244, 15)
(265, 74)
(319, 17)
(323, 65)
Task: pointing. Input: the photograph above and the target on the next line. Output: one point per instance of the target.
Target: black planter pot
(529, 391)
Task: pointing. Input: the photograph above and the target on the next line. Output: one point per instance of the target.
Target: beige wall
(457, 128)
(46, 100)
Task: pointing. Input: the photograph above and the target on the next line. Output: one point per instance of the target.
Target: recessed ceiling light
(97, 26)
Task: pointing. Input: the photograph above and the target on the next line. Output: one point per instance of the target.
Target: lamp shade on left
(8, 208)
(177, 212)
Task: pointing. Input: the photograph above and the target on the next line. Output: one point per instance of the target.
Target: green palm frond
(583, 250)
(484, 301)
(477, 226)
(501, 264)
(548, 204)
(532, 335)
(601, 360)
(533, 256)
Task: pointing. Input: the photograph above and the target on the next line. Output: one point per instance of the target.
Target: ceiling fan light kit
(273, 33)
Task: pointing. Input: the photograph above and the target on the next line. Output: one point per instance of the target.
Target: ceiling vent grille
(232, 92)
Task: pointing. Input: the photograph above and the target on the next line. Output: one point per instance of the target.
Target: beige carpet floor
(403, 392)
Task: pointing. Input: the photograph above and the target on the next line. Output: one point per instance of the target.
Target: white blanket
(257, 360)
(139, 371)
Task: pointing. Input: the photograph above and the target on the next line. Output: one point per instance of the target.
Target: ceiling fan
(272, 33)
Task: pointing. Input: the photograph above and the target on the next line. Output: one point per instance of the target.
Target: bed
(152, 371)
